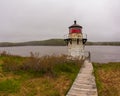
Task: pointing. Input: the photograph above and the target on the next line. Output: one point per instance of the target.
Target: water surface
(98, 53)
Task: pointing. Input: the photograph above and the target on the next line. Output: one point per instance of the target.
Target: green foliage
(50, 65)
(70, 66)
(10, 85)
(104, 43)
(51, 42)
(37, 74)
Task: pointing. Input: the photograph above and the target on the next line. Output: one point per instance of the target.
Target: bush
(46, 64)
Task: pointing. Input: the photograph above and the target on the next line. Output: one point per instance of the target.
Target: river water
(98, 53)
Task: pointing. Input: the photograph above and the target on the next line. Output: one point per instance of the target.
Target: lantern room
(75, 28)
(75, 34)
(75, 31)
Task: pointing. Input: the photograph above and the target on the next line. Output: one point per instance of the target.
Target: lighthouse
(75, 41)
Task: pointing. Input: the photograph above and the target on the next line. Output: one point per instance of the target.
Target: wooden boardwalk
(84, 84)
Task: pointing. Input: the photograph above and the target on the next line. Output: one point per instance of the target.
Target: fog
(28, 20)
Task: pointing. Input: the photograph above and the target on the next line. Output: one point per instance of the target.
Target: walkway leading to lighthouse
(84, 84)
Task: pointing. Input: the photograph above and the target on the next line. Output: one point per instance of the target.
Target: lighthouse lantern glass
(75, 30)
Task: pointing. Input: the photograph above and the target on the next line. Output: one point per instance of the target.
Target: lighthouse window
(77, 41)
(75, 30)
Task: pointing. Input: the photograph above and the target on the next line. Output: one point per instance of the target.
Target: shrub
(46, 64)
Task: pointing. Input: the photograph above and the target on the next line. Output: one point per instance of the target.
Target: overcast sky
(28, 20)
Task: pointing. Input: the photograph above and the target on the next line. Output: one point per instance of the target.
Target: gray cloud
(26, 20)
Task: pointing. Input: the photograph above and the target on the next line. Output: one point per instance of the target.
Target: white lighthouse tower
(76, 41)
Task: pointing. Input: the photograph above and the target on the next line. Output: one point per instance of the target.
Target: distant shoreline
(54, 42)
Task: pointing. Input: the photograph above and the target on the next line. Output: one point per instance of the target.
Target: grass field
(107, 79)
(34, 76)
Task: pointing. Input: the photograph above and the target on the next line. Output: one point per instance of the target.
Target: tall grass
(108, 79)
(50, 65)
(34, 75)
(9, 85)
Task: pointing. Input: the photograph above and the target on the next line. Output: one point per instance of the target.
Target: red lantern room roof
(75, 25)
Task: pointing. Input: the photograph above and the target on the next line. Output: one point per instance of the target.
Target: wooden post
(89, 56)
